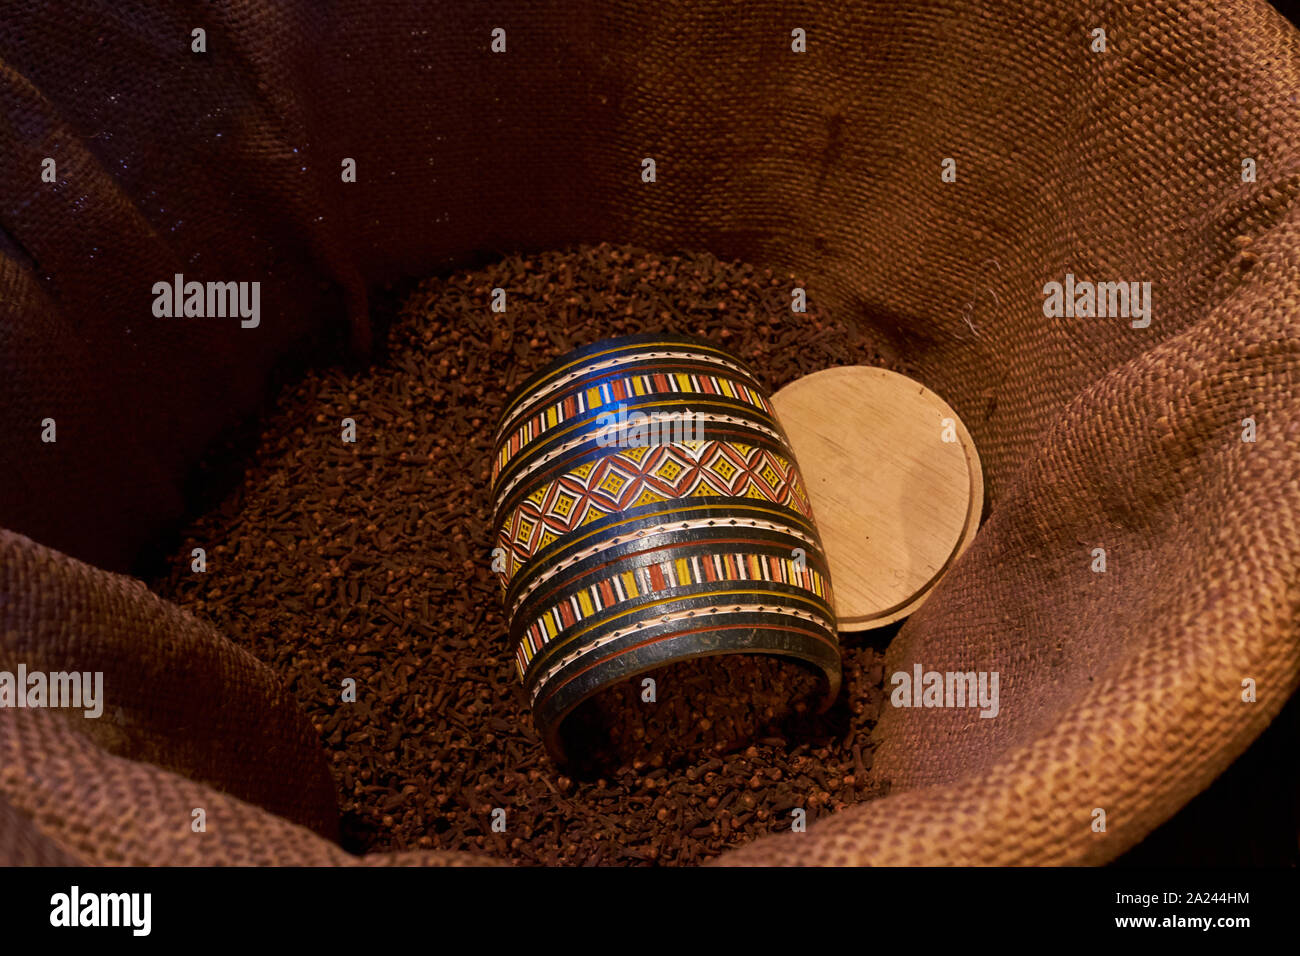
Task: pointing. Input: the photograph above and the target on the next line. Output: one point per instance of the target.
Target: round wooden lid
(896, 487)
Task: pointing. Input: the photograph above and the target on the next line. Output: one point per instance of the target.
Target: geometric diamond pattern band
(633, 477)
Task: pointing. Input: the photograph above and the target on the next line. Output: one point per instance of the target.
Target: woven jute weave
(1119, 690)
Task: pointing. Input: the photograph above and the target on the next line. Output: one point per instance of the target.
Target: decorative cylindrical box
(649, 510)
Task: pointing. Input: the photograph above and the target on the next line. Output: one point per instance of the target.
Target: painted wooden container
(648, 510)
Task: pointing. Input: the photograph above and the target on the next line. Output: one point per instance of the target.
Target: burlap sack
(1119, 690)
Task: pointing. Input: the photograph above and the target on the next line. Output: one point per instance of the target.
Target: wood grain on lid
(895, 504)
